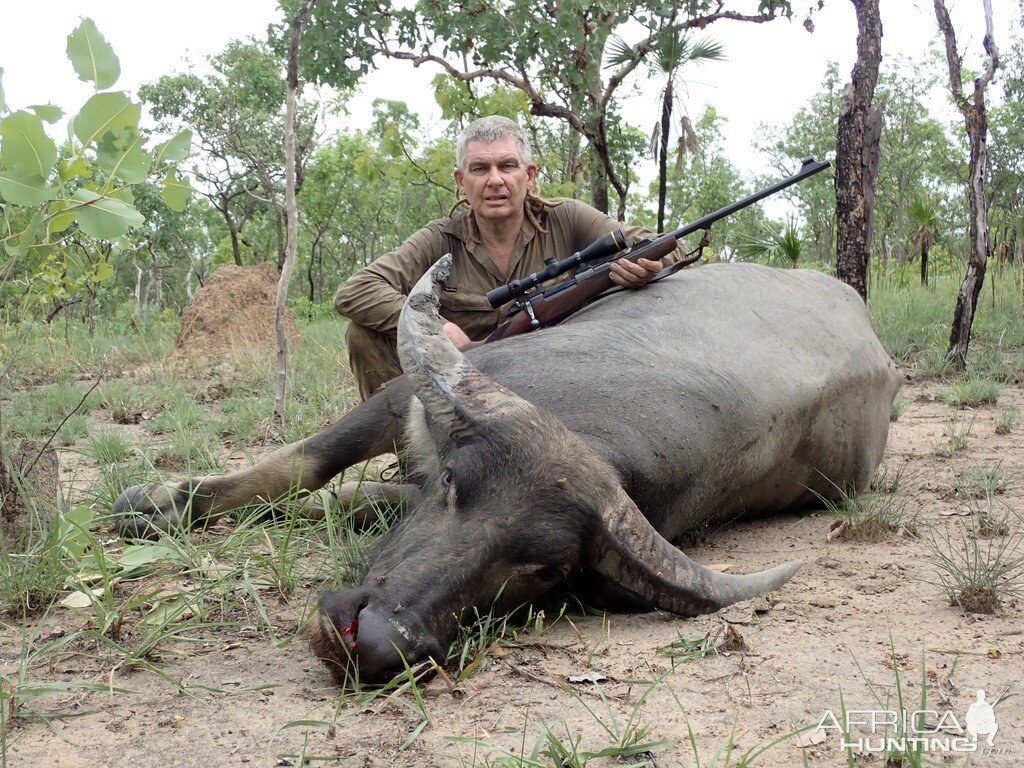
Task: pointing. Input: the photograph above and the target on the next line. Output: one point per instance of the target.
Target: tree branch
(953, 59)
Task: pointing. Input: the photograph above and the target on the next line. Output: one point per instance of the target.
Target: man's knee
(372, 356)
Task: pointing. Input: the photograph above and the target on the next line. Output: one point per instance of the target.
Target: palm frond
(619, 53)
(707, 50)
(675, 49)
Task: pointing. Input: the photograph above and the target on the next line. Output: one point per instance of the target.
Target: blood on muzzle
(356, 634)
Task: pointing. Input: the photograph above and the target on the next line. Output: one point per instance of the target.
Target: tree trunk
(854, 180)
(281, 382)
(598, 183)
(8, 489)
(236, 248)
(924, 263)
(666, 127)
(976, 124)
(974, 278)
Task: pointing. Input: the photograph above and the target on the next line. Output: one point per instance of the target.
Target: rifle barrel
(809, 167)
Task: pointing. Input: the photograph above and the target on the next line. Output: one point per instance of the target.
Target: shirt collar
(464, 227)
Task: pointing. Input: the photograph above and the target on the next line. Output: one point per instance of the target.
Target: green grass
(982, 480)
(682, 649)
(913, 325)
(33, 570)
(107, 447)
(976, 573)
(68, 349)
(992, 517)
(36, 415)
(898, 407)
(1006, 421)
(621, 737)
(126, 403)
(889, 478)
(872, 516)
(970, 393)
(958, 436)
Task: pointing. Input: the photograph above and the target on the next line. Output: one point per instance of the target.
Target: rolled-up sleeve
(373, 296)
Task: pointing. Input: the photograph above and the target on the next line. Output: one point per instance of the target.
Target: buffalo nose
(384, 640)
(365, 627)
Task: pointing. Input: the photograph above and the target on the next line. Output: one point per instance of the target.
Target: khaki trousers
(372, 357)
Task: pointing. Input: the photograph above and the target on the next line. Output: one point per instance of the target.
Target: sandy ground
(854, 621)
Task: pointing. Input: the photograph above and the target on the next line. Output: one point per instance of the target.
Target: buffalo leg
(363, 498)
(368, 430)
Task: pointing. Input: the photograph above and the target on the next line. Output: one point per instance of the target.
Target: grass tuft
(978, 576)
(107, 447)
(898, 408)
(871, 517)
(958, 435)
(1006, 420)
(682, 649)
(982, 480)
(970, 393)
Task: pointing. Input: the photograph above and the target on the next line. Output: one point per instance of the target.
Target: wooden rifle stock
(549, 307)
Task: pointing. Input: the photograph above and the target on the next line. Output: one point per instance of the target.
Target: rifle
(542, 307)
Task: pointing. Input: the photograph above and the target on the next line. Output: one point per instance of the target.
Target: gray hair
(490, 129)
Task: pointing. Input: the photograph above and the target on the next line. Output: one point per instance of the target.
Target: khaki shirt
(373, 296)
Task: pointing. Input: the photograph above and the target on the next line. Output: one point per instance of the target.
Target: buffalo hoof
(148, 510)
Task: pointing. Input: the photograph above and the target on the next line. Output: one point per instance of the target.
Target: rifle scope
(602, 248)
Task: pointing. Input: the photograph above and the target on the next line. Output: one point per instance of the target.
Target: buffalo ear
(629, 551)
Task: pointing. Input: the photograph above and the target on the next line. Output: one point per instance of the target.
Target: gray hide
(741, 389)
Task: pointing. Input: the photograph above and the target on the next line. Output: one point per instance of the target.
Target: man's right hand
(457, 336)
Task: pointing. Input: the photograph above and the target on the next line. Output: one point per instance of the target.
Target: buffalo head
(516, 505)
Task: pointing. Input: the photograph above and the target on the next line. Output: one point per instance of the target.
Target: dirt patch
(860, 625)
(232, 312)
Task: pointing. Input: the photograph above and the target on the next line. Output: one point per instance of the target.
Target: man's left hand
(630, 274)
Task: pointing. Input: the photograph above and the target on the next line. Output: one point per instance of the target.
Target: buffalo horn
(430, 360)
(453, 392)
(634, 555)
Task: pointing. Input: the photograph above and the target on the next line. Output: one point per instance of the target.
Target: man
(507, 234)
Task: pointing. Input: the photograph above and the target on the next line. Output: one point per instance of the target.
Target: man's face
(495, 179)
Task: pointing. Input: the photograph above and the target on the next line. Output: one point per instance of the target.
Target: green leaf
(175, 191)
(20, 187)
(131, 166)
(71, 168)
(138, 555)
(111, 122)
(74, 531)
(3, 99)
(108, 120)
(26, 145)
(103, 272)
(30, 235)
(174, 149)
(92, 57)
(103, 217)
(60, 217)
(80, 599)
(47, 112)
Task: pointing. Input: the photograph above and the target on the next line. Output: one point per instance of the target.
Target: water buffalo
(578, 453)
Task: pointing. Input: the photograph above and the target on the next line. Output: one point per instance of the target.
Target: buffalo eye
(548, 574)
(446, 478)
